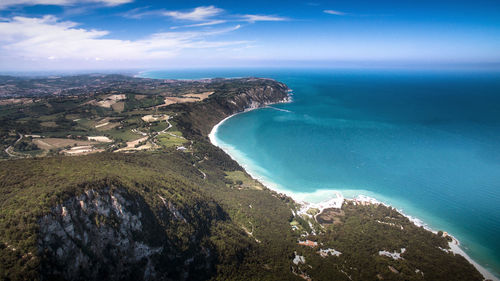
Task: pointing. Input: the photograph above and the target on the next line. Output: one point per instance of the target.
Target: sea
(426, 142)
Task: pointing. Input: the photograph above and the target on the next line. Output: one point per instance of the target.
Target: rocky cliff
(200, 118)
(196, 215)
(113, 233)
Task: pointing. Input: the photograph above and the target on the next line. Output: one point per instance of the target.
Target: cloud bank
(206, 15)
(8, 3)
(197, 14)
(48, 38)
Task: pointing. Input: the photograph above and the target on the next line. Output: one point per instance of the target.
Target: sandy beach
(337, 201)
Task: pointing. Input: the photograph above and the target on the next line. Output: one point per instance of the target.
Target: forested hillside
(184, 210)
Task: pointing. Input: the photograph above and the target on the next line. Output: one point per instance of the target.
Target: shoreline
(334, 202)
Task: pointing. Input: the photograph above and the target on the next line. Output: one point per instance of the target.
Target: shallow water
(426, 142)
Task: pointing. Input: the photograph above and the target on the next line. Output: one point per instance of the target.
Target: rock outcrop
(111, 233)
(200, 118)
(114, 234)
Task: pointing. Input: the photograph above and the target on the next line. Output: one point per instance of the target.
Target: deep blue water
(426, 142)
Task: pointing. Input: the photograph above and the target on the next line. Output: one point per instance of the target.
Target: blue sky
(124, 34)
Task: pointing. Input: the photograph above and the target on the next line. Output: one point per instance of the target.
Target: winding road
(7, 150)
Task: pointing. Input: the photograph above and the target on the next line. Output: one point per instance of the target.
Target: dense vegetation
(83, 114)
(250, 231)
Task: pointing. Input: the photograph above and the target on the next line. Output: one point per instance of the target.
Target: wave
(279, 109)
(324, 197)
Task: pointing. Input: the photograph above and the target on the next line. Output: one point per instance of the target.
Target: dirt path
(203, 173)
(175, 136)
(7, 150)
(166, 129)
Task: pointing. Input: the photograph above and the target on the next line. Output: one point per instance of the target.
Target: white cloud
(197, 14)
(139, 13)
(8, 3)
(208, 23)
(113, 2)
(254, 18)
(333, 12)
(204, 16)
(47, 38)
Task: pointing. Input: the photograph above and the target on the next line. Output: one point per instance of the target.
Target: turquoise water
(426, 142)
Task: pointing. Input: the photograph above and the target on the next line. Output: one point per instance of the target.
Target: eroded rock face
(111, 234)
(201, 118)
(261, 96)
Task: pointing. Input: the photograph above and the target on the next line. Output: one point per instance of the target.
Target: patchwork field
(186, 98)
(81, 150)
(134, 145)
(108, 101)
(171, 139)
(100, 139)
(154, 118)
(118, 107)
(54, 143)
(50, 124)
(16, 101)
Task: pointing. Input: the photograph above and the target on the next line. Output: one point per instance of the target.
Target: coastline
(334, 202)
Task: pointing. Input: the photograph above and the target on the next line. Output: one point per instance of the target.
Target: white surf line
(140, 74)
(455, 248)
(214, 130)
(454, 245)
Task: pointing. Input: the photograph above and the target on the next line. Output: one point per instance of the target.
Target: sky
(135, 34)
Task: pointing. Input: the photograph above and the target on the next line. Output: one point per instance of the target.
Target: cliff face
(200, 118)
(115, 234)
(256, 97)
(195, 215)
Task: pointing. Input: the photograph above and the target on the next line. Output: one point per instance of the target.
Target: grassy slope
(31, 187)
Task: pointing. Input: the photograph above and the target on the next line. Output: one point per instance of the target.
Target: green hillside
(165, 213)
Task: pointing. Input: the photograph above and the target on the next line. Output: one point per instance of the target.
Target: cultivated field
(54, 143)
(153, 118)
(108, 101)
(100, 139)
(81, 150)
(131, 145)
(186, 98)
